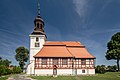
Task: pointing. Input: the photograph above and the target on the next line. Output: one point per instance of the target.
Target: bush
(5, 67)
(100, 69)
(17, 69)
(4, 70)
(112, 68)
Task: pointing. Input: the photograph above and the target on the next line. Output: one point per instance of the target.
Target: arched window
(41, 26)
(37, 25)
(37, 39)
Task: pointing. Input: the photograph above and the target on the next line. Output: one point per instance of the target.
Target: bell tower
(37, 39)
(38, 23)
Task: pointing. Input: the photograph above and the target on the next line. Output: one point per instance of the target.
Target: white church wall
(34, 50)
(79, 71)
(50, 71)
(64, 71)
(43, 71)
(33, 40)
(87, 71)
(30, 68)
(91, 71)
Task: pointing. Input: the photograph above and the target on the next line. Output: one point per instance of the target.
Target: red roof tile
(51, 43)
(64, 49)
(53, 51)
(64, 43)
(80, 52)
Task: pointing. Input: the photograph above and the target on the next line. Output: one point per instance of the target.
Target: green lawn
(106, 76)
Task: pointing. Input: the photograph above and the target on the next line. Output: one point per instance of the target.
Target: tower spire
(38, 23)
(38, 7)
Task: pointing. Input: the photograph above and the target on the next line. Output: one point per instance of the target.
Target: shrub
(4, 70)
(17, 69)
(112, 68)
(100, 69)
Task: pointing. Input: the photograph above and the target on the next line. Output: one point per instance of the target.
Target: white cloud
(81, 7)
(85, 8)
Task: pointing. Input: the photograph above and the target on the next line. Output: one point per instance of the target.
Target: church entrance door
(54, 70)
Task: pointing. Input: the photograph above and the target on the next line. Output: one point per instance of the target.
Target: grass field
(106, 76)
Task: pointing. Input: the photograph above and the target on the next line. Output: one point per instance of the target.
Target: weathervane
(38, 7)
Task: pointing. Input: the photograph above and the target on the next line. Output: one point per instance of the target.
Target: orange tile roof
(72, 44)
(54, 51)
(80, 52)
(64, 43)
(51, 43)
(64, 49)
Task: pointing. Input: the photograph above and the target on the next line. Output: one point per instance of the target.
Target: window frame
(37, 39)
(64, 61)
(83, 61)
(55, 61)
(37, 44)
(83, 71)
(44, 61)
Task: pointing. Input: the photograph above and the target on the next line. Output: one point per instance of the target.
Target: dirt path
(19, 77)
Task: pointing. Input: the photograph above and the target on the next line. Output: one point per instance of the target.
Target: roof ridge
(70, 52)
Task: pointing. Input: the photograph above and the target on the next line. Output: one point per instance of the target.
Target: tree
(5, 62)
(4, 66)
(21, 56)
(113, 51)
(100, 69)
(0, 58)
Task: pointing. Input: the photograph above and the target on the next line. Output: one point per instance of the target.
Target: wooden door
(55, 71)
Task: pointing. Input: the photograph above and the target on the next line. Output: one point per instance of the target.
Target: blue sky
(92, 22)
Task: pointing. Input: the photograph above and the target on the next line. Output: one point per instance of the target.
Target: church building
(57, 57)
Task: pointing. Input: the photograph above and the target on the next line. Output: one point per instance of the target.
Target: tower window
(37, 44)
(41, 26)
(37, 39)
(37, 25)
